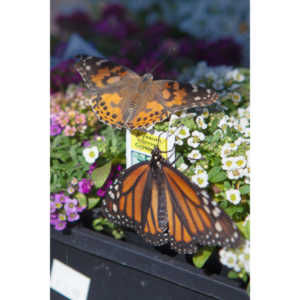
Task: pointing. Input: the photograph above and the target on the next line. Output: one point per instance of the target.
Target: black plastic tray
(124, 270)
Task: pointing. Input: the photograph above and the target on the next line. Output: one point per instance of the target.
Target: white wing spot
(216, 211)
(208, 91)
(207, 209)
(115, 207)
(87, 67)
(197, 98)
(235, 234)
(218, 226)
(99, 62)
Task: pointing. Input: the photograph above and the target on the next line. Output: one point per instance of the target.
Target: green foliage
(100, 174)
(202, 256)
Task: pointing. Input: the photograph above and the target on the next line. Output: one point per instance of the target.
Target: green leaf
(214, 171)
(92, 202)
(232, 274)
(227, 185)
(100, 175)
(244, 189)
(221, 176)
(81, 198)
(97, 224)
(200, 258)
(245, 229)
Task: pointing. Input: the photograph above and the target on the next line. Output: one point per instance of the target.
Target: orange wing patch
(153, 113)
(107, 75)
(107, 108)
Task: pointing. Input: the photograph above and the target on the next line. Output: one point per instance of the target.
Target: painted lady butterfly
(123, 99)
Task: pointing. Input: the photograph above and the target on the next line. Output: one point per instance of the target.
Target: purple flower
(55, 130)
(85, 186)
(86, 143)
(70, 206)
(92, 168)
(53, 219)
(52, 207)
(101, 193)
(72, 217)
(57, 204)
(60, 197)
(61, 217)
(60, 225)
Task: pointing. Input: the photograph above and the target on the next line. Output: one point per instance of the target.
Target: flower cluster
(64, 209)
(70, 112)
(236, 259)
(210, 20)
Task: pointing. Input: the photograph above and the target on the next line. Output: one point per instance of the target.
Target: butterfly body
(123, 99)
(163, 206)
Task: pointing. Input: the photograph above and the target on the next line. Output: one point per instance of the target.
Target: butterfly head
(147, 77)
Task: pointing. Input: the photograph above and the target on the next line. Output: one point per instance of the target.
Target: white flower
(200, 122)
(228, 163)
(244, 260)
(183, 132)
(71, 189)
(194, 155)
(199, 170)
(182, 167)
(241, 112)
(178, 142)
(90, 154)
(236, 97)
(239, 141)
(233, 196)
(197, 136)
(227, 148)
(201, 180)
(239, 162)
(235, 174)
(244, 122)
(223, 122)
(235, 75)
(228, 258)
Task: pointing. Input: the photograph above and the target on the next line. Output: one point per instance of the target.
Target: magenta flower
(60, 225)
(55, 130)
(92, 168)
(70, 206)
(72, 217)
(85, 186)
(70, 130)
(101, 193)
(57, 204)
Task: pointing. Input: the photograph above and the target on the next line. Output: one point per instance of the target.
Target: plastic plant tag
(139, 146)
(69, 282)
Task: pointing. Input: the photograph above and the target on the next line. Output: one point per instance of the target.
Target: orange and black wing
(106, 82)
(98, 73)
(176, 96)
(193, 218)
(133, 201)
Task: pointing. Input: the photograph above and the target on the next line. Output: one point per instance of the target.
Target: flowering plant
(213, 148)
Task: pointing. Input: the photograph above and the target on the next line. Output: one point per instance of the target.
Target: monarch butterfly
(162, 205)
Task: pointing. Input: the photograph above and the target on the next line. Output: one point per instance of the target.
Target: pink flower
(85, 186)
(80, 119)
(69, 131)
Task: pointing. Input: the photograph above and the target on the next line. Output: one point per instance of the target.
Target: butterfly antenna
(170, 51)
